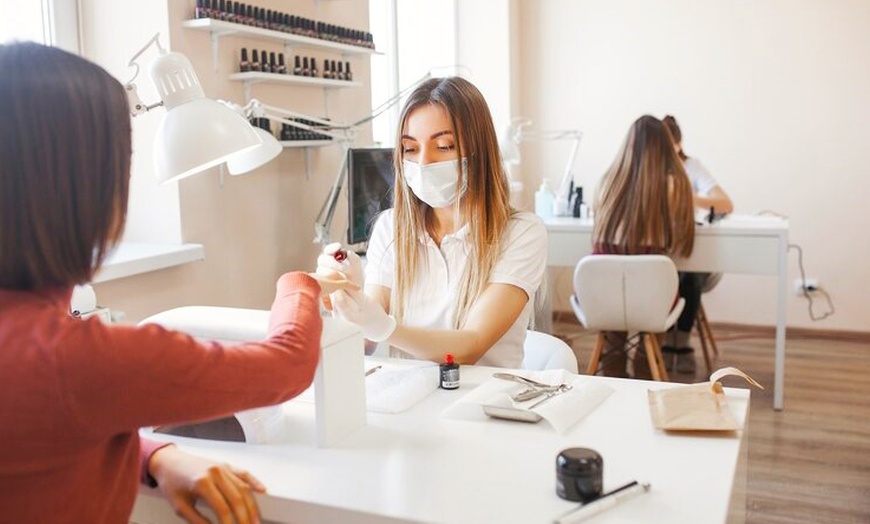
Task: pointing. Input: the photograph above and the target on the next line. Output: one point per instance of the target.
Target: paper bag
(697, 407)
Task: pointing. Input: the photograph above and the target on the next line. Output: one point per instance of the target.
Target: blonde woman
(452, 263)
(643, 206)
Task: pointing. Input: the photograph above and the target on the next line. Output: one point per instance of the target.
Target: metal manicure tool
(535, 389)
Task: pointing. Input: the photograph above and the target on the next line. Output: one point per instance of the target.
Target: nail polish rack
(298, 36)
(219, 28)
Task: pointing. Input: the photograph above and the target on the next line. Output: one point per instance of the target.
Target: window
(51, 22)
(417, 37)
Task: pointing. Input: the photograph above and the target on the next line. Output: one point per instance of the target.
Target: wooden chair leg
(663, 372)
(653, 357)
(596, 354)
(703, 315)
(702, 336)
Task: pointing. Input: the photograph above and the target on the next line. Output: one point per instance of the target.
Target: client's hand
(185, 478)
(356, 308)
(347, 263)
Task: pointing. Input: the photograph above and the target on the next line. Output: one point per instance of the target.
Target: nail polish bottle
(249, 15)
(255, 61)
(273, 63)
(244, 65)
(306, 71)
(347, 74)
(222, 10)
(264, 62)
(230, 15)
(200, 10)
(340, 75)
(297, 69)
(333, 71)
(314, 71)
(326, 72)
(282, 67)
(449, 373)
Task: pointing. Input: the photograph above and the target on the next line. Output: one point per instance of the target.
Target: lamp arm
(260, 109)
(564, 193)
(390, 102)
(327, 211)
(137, 106)
(300, 125)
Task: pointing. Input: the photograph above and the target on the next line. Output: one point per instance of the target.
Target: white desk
(419, 467)
(755, 245)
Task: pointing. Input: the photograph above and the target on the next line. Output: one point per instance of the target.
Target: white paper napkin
(393, 388)
(561, 411)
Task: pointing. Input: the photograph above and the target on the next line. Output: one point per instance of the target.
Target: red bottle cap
(340, 255)
(449, 358)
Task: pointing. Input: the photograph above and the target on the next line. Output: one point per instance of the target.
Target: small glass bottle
(449, 373)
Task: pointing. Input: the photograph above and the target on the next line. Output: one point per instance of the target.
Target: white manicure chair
(631, 293)
(544, 351)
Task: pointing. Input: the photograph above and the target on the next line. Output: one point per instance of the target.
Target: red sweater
(74, 393)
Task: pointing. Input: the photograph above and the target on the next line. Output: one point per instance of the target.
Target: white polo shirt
(702, 181)
(432, 299)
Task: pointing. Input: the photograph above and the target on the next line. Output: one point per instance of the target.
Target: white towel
(561, 411)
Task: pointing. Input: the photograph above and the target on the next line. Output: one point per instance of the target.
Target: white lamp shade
(256, 157)
(198, 135)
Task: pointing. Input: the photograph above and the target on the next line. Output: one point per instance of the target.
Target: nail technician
(452, 267)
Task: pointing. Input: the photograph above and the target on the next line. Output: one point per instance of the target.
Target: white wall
(772, 96)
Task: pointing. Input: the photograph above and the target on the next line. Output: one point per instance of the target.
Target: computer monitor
(370, 179)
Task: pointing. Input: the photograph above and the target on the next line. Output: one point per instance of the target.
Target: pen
(370, 371)
(604, 502)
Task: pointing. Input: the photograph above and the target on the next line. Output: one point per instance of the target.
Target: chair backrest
(543, 351)
(625, 292)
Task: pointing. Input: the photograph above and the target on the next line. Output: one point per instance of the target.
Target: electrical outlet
(812, 284)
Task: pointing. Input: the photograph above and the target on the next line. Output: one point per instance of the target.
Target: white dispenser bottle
(544, 200)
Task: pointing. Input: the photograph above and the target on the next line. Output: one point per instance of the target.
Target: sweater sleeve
(118, 378)
(146, 449)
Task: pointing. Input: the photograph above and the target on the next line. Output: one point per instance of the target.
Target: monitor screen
(369, 190)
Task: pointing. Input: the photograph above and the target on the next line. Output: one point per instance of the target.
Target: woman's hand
(335, 259)
(185, 478)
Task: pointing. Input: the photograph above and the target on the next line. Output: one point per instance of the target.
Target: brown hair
(64, 166)
(676, 134)
(485, 202)
(644, 203)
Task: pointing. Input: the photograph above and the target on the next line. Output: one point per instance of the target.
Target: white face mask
(435, 183)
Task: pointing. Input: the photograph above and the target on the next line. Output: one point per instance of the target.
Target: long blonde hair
(484, 205)
(644, 202)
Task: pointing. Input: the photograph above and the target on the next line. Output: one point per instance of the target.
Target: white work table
(745, 244)
(418, 466)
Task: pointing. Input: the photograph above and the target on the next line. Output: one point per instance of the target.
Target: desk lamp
(196, 133)
(517, 133)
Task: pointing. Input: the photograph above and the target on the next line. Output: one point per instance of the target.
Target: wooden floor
(810, 462)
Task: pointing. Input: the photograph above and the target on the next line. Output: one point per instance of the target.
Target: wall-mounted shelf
(275, 78)
(252, 77)
(307, 143)
(219, 28)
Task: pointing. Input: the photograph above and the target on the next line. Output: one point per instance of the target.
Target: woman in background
(452, 263)
(643, 207)
(708, 195)
(74, 393)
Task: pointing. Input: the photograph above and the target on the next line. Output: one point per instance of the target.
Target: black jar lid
(579, 461)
